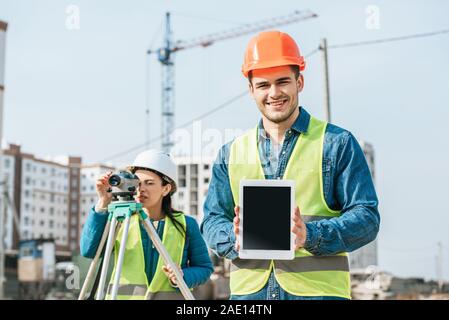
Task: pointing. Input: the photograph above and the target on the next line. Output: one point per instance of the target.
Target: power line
(225, 104)
(392, 39)
(312, 53)
(218, 108)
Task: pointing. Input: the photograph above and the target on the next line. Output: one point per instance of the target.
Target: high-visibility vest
(133, 284)
(306, 275)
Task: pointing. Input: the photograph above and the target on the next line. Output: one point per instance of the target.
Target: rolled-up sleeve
(92, 231)
(200, 265)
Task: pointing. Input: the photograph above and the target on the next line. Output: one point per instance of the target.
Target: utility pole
(3, 214)
(3, 27)
(323, 48)
(440, 266)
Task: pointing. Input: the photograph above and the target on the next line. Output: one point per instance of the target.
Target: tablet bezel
(267, 254)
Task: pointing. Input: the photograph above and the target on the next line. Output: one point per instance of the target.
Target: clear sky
(83, 91)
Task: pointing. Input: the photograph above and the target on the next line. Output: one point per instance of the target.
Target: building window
(182, 183)
(52, 198)
(42, 209)
(41, 223)
(7, 163)
(26, 221)
(182, 170)
(28, 167)
(206, 167)
(74, 208)
(206, 180)
(74, 183)
(51, 224)
(74, 196)
(52, 211)
(27, 206)
(27, 181)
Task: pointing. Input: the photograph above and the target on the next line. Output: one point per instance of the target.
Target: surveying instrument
(124, 185)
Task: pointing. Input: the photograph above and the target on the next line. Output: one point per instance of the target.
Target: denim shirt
(347, 187)
(196, 263)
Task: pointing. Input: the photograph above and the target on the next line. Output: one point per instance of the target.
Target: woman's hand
(102, 186)
(171, 274)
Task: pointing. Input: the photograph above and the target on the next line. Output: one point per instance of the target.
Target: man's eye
(262, 86)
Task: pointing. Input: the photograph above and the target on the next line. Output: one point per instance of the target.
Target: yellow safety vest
(306, 275)
(133, 284)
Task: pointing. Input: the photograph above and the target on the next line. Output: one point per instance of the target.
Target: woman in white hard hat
(144, 276)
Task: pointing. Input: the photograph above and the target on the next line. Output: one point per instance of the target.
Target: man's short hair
(294, 68)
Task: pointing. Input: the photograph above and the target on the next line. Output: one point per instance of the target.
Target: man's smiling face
(275, 91)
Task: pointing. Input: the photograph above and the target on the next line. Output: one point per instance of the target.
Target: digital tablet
(266, 213)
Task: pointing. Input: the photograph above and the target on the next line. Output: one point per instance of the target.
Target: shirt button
(273, 295)
(283, 152)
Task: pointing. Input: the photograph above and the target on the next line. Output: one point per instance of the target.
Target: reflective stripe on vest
(306, 275)
(133, 284)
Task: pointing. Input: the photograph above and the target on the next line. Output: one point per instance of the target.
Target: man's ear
(300, 83)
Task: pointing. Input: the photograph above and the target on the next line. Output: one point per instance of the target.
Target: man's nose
(274, 92)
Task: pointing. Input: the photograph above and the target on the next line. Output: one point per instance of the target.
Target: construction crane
(165, 56)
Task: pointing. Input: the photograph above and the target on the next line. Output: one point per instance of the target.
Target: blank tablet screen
(266, 218)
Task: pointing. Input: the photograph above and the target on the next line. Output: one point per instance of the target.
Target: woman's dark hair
(167, 208)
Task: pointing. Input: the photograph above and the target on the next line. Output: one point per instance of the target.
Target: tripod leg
(167, 259)
(121, 255)
(94, 263)
(107, 255)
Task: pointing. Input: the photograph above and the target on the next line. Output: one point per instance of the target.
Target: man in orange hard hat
(336, 201)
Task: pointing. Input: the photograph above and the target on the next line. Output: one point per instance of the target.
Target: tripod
(120, 213)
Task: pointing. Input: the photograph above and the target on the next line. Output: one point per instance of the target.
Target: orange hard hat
(272, 49)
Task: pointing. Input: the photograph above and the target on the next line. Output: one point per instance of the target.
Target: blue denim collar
(300, 125)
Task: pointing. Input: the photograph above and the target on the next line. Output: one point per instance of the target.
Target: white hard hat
(159, 161)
